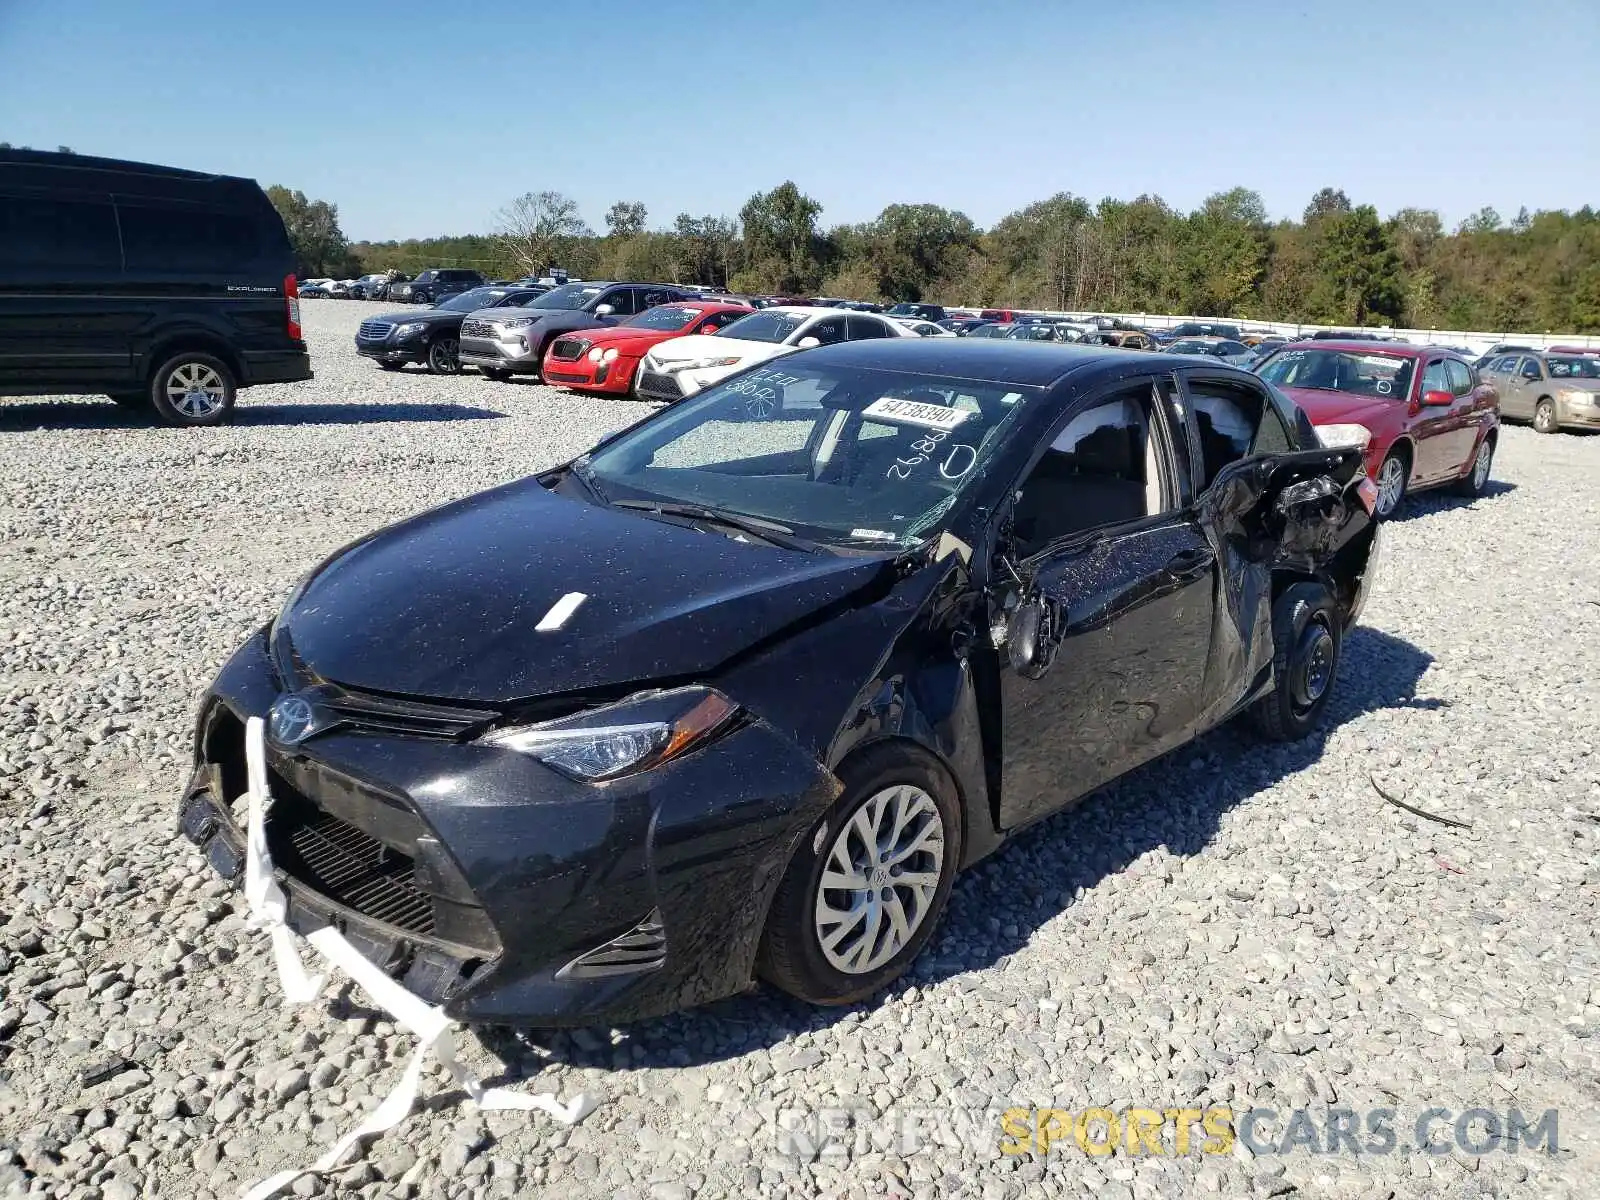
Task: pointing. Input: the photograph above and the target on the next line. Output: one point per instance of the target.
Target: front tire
(444, 356)
(1391, 481)
(1307, 638)
(865, 890)
(193, 389)
(1544, 417)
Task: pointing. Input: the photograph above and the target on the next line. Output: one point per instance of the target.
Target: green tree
(626, 218)
(1327, 202)
(1360, 272)
(320, 247)
(780, 239)
(537, 231)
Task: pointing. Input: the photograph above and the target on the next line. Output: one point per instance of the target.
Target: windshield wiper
(768, 531)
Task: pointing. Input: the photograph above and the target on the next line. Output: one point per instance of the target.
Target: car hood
(621, 335)
(705, 345)
(426, 314)
(546, 318)
(1331, 408)
(446, 604)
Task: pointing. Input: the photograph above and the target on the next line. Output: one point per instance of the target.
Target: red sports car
(1423, 415)
(605, 360)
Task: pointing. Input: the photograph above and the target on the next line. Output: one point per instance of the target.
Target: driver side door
(1122, 581)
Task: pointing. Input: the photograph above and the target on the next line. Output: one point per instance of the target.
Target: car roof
(1363, 346)
(982, 359)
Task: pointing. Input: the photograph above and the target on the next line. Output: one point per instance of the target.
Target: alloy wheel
(196, 390)
(1480, 468)
(1391, 484)
(879, 879)
(1544, 417)
(442, 357)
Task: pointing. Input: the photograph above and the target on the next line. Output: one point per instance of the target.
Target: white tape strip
(268, 908)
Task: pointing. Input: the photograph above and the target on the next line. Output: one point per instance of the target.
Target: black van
(159, 287)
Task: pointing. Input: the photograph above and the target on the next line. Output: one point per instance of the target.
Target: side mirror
(604, 310)
(806, 343)
(1028, 644)
(1438, 399)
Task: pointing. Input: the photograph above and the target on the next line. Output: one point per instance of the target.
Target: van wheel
(1307, 636)
(192, 388)
(868, 883)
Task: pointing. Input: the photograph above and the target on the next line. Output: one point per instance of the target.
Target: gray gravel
(1238, 925)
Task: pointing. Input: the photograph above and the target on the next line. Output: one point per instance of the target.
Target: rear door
(61, 318)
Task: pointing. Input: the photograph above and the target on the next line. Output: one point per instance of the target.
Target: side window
(1231, 422)
(862, 328)
(714, 322)
(827, 331)
(652, 298)
(1231, 348)
(1530, 369)
(1102, 468)
(1460, 377)
(1435, 378)
(623, 301)
(65, 234)
(173, 237)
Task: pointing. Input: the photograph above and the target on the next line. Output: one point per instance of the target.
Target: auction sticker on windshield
(911, 412)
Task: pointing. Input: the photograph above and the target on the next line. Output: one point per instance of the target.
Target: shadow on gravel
(1176, 803)
(19, 417)
(1425, 504)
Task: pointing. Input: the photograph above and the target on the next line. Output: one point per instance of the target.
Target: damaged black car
(733, 698)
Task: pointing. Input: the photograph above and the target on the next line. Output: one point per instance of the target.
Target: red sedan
(1423, 415)
(606, 359)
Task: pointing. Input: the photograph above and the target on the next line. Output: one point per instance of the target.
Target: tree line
(1340, 263)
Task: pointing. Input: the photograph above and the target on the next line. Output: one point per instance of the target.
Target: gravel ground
(1239, 925)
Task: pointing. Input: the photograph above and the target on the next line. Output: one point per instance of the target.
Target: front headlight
(409, 328)
(610, 355)
(700, 364)
(1334, 436)
(595, 355)
(637, 734)
(1579, 396)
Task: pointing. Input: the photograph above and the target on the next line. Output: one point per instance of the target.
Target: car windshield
(903, 310)
(667, 317)
(1363, 373)
(768, 326)
(1575, 367)
(1191, 346)
(837, 454)
(484, 297)
(567, 296)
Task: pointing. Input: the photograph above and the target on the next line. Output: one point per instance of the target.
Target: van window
(186, 238)
(68, 234)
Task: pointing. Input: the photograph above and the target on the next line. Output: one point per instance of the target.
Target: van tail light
(291, 307)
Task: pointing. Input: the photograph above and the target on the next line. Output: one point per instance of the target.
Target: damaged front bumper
(487, 883)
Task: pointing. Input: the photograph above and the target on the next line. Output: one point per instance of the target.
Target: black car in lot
(431, 337)
(167, 290)
(435, 284)
(922, 312)
(728, 698)
(503, 344)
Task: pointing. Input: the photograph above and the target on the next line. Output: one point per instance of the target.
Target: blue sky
(419, 119)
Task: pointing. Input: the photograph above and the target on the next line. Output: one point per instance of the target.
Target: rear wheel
(192, 388)
(443, 356)
(866, 888)
(1307, 637)
(1544, 416)
(1477, 478)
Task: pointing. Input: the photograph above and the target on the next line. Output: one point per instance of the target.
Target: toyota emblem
(292, 719)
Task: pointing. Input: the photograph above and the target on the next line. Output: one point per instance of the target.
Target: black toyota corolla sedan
(734, 697)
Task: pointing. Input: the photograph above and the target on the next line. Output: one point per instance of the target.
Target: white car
(682, 366)
(923, 328)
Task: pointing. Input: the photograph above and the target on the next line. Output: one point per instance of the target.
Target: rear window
(54, 233)
(181, 237)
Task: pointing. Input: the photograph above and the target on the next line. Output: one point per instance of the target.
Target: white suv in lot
(684, 365)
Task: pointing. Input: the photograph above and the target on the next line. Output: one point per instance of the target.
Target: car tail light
(291, 307)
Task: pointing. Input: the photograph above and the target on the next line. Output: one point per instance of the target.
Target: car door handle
(1188, 564)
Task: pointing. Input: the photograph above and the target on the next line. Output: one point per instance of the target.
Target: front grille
(642, 948)
(569, 349)
(567, 377)
(478, 329)
(363, 712)
(661, 385)
(348, 866)
(374, 331)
